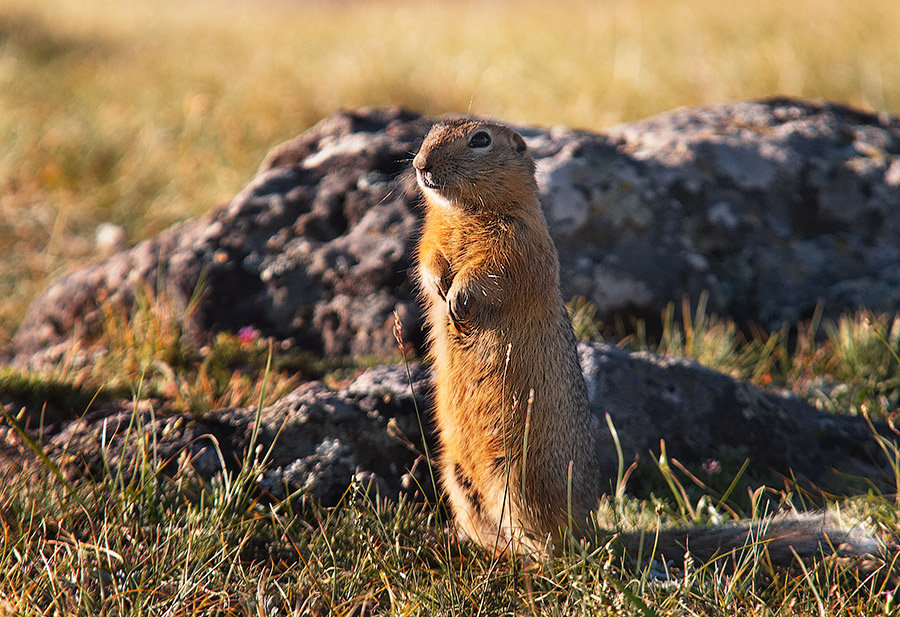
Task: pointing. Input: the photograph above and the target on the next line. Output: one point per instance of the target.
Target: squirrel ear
(520, 143)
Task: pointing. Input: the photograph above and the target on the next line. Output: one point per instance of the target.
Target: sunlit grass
(136, 541)
(153, 349)
(143, 113)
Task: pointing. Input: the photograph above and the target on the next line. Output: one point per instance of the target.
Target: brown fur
(500, 335)
(506, 365)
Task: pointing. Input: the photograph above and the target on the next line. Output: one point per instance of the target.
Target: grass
(132, 543)
(145, 112)
(136, 541)
(153, 349)
(849, 366)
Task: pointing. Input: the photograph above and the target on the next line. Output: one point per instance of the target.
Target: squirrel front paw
(436, 276)
(469, 305)
(460, 303)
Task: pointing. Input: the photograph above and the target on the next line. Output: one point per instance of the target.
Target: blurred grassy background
(146, 112)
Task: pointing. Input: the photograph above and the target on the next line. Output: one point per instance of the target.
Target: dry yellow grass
(146, 112)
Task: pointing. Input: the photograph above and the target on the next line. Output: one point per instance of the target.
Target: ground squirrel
(518, 461)
(503, 348)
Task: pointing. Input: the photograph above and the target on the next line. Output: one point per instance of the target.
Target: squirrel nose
(420, 163)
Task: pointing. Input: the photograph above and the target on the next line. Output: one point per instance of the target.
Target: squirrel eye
(480, 139)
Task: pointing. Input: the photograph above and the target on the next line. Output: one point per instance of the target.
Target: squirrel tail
(785, 538)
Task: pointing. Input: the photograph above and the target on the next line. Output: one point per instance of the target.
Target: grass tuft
(153, 348)
(865, 360)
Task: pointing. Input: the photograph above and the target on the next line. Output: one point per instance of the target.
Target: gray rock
(321, 441)
(315, 248)
(113, 437)
(325, 439)
(707, 417)
(772, 207)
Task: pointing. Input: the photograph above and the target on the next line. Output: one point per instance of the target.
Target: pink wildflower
(712, 467)
(247, 334)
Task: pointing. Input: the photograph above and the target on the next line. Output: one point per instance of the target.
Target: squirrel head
(475, 166)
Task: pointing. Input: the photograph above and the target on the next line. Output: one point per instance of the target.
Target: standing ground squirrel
(519, 461)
